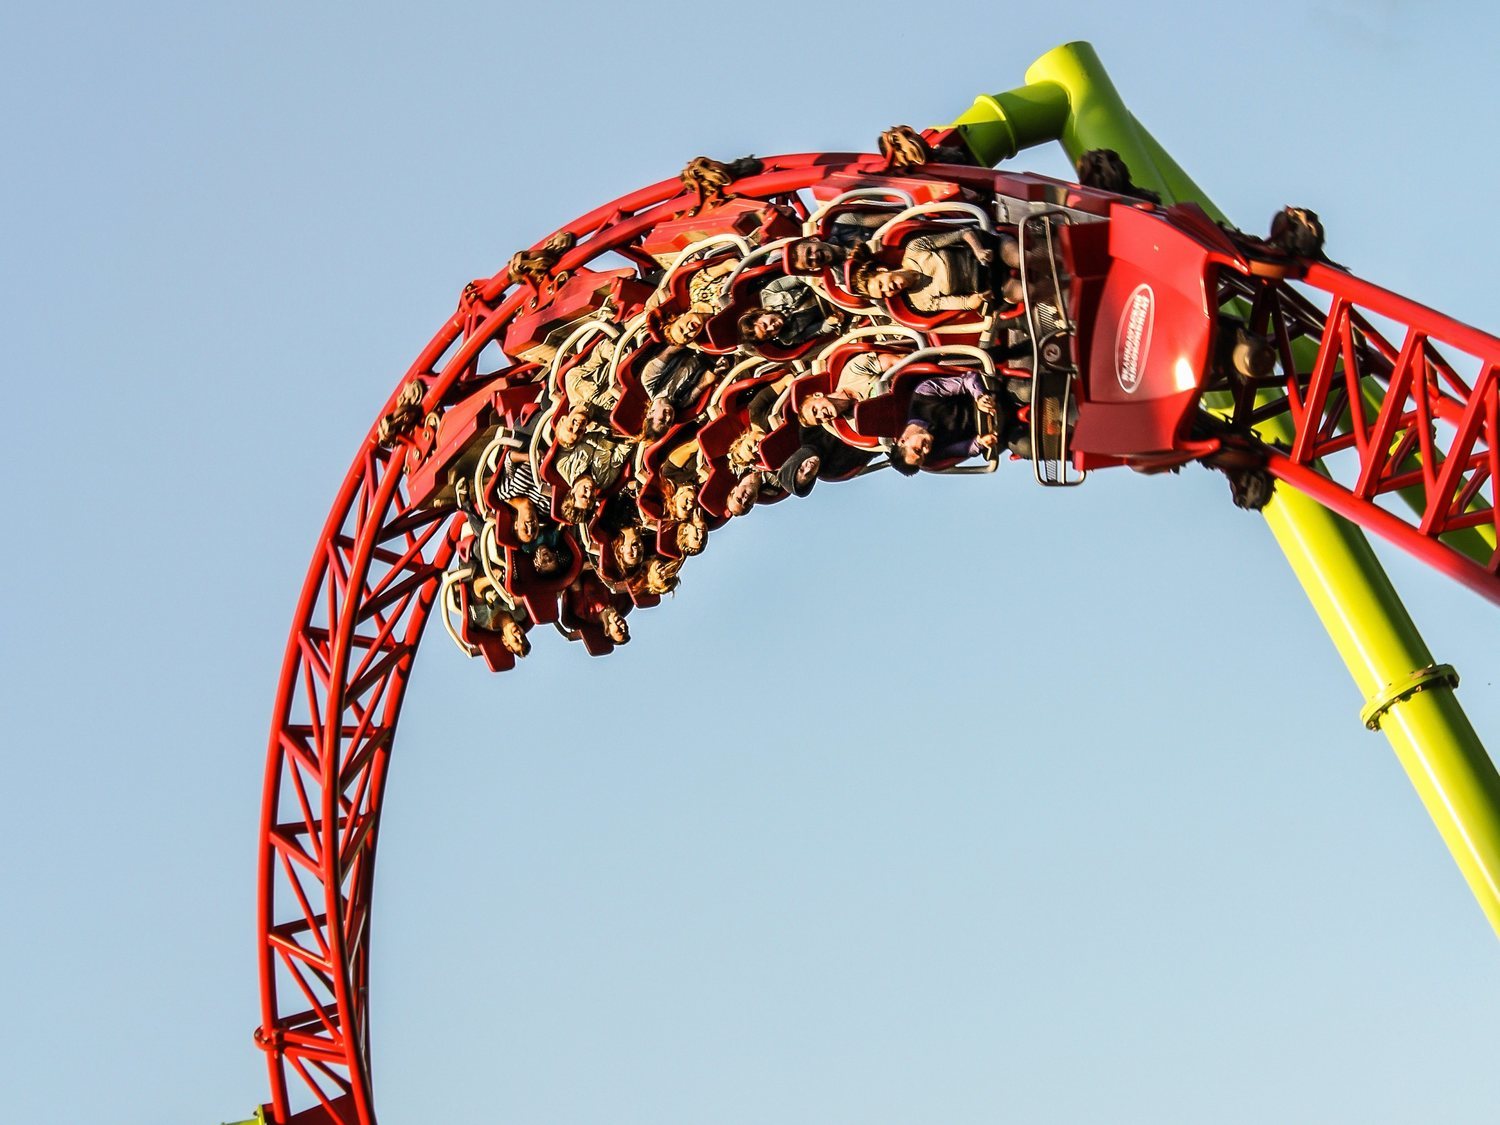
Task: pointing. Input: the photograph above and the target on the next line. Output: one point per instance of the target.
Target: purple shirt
(940, 406)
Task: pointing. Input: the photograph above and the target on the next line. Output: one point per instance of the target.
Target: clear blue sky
(928, 800)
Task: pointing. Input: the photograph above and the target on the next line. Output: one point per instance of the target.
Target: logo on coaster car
(1133, 339)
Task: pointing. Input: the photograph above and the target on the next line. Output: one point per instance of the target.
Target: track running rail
(1418, 431)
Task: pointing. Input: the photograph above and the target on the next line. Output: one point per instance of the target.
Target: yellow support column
(1069, 98)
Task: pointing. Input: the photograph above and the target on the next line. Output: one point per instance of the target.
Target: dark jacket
(673, 375)
(835, 460)
(945, 407)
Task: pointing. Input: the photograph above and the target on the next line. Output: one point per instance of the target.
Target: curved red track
(374, 578)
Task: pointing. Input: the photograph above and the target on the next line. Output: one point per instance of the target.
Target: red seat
(504, 518)
(899, 306)
(836, 289)
(606, 565)
(652, 501)
(487, 642)
(547, 472)
(640, 598)
(574, 616)
(780, 444)
(629, 414)
(732, 420)
(885, 415)
(666, 540)
(678, 298)
(805, 386)
(517, 404)
(610, 574)
(563, 370)
(630, 411)
(880, 417)
(718, 434)
(538, 592)
(846, 428)
(491, 647)
(715, 491)
(722, 332)
(723, 329)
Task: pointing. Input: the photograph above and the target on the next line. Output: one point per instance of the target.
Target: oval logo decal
(1133, 338)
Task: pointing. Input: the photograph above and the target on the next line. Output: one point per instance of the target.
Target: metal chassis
(1054, 382)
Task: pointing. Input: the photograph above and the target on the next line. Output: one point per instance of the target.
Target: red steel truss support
(1394, 418)
(366, 599)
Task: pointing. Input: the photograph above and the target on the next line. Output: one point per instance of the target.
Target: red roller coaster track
(1387, 409)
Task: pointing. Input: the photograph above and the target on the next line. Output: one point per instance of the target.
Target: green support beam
(1070, 99)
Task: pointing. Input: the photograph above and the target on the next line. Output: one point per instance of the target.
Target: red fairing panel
(1151, 339)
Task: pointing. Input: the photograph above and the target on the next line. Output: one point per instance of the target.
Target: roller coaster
(594, 413)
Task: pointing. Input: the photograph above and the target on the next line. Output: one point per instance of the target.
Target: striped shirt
(520, 480)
